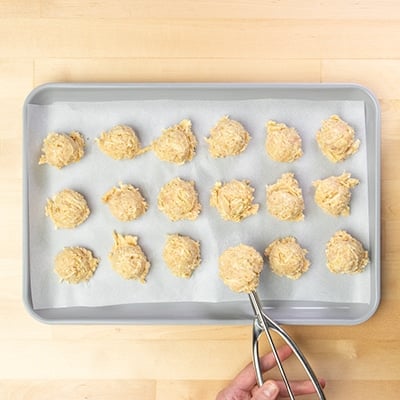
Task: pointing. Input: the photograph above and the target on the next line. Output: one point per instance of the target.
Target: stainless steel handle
(263, 324)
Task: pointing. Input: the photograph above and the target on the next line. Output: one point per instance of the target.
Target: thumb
(268, 391)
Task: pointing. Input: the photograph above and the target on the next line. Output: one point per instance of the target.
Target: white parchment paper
(96, 173)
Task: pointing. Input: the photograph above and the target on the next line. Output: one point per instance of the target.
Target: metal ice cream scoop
(262, 323)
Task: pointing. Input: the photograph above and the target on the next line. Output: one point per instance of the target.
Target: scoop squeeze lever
(263, 324)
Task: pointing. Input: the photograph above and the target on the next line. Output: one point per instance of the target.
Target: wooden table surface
(194, 41)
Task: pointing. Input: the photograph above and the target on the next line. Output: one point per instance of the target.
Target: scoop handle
(263, 324)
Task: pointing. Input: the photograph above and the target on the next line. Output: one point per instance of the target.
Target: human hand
(244, 386)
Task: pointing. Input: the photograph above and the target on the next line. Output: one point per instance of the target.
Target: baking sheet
(96, 173)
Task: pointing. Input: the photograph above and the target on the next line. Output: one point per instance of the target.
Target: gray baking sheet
(96, 173)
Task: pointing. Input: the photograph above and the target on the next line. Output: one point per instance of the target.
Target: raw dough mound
(336, 139)
(345, 254)
(178, 199)
(240, 268)
(177, 144)
(75, 264)
(127, 258)
(182, 255)
(287, 258)
(60, 149)
(67, 209)
(283, 144)
(126, 203)
(227, 138)
(233, 200)
(333, 194)
(120, 143)
(285, 200)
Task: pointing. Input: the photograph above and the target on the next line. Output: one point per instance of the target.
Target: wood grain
(200, 41)
(223, 9)
(225, 38)
(175, 70)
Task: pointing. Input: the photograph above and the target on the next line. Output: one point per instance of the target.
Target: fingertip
(268, 391)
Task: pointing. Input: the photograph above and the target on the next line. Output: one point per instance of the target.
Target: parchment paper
(96, 173)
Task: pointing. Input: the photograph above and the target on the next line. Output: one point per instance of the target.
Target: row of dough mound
(178, 200)
(239, 266)
(181, 254)
(177, 144)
